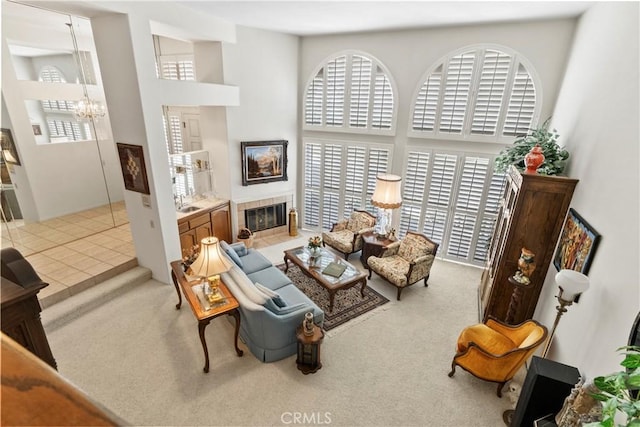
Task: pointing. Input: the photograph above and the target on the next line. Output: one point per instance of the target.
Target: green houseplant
(619, 391)
(555, 157)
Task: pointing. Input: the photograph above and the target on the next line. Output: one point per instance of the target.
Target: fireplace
(266, 217)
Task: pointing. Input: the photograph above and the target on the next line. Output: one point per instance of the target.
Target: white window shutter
(426, 105)
(312, 182)
(522, 104)
(175, 129)
(382, 114)
(313, 102)
(435, 222)
(354, 179)
(490, 93)
(331, 184)
(457, 89)
(378, 163)
(413, 192)
(360, 91)
(334, 108)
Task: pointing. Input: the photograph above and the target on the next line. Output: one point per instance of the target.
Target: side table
(372, 246)
(308, 359)
(203, 316)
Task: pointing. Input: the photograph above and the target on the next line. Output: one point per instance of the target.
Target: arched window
(479, 92)
(50, 74)
(350, 92)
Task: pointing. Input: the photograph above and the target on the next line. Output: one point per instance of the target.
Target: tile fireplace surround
(242, 207)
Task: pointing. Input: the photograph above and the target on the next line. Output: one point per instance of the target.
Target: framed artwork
(37, 130)
(578, 243)
(264, 161)
(9, 151)
(134, 171)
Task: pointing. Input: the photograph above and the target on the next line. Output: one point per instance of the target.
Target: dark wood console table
(230, 307)
(372, 246)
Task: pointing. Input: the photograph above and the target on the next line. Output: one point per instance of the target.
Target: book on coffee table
(334, 269)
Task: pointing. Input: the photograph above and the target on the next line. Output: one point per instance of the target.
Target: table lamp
(208, 266)
(571, 283)
(387, 196)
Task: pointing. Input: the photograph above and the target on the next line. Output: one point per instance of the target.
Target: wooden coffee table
(349, 278)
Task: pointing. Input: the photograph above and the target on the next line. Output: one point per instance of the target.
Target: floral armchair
(405, 262)
(346, 235)
(495, 351)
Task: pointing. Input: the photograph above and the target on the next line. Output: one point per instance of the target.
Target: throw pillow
(231, 253)
(271, 294)
(240, 248)
(246, 286)
(272, 307)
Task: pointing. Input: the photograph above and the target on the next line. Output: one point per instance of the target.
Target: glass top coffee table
(314, 267)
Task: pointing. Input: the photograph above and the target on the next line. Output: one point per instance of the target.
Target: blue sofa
(271, 306)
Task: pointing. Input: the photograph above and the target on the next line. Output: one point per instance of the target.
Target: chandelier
(86, 108)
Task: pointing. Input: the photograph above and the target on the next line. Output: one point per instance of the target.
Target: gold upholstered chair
(346, 235)
(405, 262)
(494, 351)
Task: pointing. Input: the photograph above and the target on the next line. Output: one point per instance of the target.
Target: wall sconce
(571, 284)
(387, 196)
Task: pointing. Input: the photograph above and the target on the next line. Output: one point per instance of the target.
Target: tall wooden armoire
(531, 215)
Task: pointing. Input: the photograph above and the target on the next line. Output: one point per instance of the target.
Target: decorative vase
(307, 324)
(533, 159)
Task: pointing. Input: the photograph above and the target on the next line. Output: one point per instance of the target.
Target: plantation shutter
(334, 110)
(426, 106)
(378, 163)
(469, 196)
(522, 104)
(415, 178)
(332, 162)
(382, 114)
(360, 91)
(439, 196)
(482, 92)
(312, 179)
(174, 68)
(313, 103)
(492, 204)
(175, 131)
(354, 179)
(456, 92)
(489, 99)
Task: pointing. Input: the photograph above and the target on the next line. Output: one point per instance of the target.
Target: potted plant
(555, 157)
(619, 391)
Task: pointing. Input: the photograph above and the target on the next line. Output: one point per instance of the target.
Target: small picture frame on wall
(577, 245)
(37, 130)
(9, 150)
(264, 161)
(134, 171)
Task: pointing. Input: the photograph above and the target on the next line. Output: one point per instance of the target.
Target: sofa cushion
(271, 294)
(240, 248)
(271, 278)
(254, 261)
(292, 295)
(246, 286)
(231, 253)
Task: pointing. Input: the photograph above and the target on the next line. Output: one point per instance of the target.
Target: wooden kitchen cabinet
(214, 221)
(531, 215)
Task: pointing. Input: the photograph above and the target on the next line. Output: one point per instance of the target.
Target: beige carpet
(140, 357)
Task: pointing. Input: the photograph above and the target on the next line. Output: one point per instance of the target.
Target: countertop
(202, 205)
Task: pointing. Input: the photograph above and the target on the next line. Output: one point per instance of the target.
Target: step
(63, 312)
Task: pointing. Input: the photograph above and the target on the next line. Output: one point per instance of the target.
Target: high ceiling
(305, 17)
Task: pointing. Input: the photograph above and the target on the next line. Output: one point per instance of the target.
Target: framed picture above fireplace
(264, 161)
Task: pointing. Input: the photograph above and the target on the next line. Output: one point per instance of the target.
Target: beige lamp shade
(388, 192)
(210, 262)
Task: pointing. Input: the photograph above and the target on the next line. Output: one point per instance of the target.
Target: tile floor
(77, 251)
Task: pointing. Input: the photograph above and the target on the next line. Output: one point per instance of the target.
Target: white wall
(597, 112)
(264, 65)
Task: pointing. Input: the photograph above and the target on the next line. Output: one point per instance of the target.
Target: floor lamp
(387, 196)
(571, 283)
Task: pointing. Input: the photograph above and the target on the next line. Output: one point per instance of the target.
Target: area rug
(347, 305)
